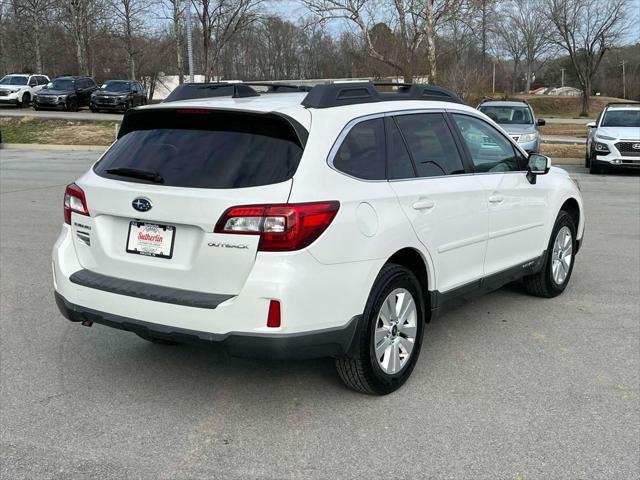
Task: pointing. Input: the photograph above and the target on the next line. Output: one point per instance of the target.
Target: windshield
(61, 84)
(116, 86)
(13, 80)
(508, 115)
(621, 118)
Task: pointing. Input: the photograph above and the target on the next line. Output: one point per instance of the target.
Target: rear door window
(362, 152)
(204, 149)
(431, 144)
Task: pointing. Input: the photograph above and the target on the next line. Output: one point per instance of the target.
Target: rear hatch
(155, 197)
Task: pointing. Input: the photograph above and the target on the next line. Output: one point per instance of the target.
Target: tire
(594, 169)
(587, 159)
(545, 283)
(363, 371)
(72, 106)
(26, 100)
(36, 108)
(156, 340)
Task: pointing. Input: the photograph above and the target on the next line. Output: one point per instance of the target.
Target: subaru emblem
(142, 204)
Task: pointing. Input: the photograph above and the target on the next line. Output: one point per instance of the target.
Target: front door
(444, 203)
(516, 207)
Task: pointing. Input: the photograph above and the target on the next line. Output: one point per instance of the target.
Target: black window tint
(214, 150)
(431, 144)
(42, 80)
(361, 153)
(398, 160)
(490, 150)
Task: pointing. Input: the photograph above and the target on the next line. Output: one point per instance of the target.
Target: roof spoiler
(339, 94)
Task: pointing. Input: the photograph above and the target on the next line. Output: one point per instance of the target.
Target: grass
(56, 132)
(562, 150)
(566, 129)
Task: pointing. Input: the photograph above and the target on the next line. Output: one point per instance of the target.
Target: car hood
(12, 87)
(627, 133)
(513, 129)
(55, 92)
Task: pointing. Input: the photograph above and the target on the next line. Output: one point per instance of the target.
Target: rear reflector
(74, 201)
(273, 318)
(282, 228)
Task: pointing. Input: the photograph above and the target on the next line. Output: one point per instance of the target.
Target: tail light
(74, 201)
(282, 228)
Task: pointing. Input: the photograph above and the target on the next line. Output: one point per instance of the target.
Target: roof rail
(190, 91)
(339, 94)
(488, 99)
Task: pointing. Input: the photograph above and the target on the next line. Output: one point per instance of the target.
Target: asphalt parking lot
(507, 387)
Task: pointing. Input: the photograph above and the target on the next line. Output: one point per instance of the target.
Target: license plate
(151, 239)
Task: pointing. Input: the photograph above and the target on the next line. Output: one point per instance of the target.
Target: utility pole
(624, 84)
(493, 88)
(562, 70)
(189, 41)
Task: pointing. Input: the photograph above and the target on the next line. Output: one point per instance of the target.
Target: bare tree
(414, 21)
(79, 17)
(37, 14)
(220, 21)
(176, 11)
(586, 29)
(511, 42)
(129, 18)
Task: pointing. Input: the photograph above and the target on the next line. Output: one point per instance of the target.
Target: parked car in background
(65, 93)
(20, 88)
(296, 225)
(517, 119)
(613, 140)
(119, 95)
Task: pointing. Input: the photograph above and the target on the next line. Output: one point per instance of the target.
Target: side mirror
(537, 165)
(591, 125)
(541, 122)
(33, 83)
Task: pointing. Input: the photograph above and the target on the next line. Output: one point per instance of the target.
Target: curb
(38, 146)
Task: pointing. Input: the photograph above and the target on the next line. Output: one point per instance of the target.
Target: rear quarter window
(362, 151)
(205, 149)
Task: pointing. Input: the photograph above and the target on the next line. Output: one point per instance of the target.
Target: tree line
(474, 47)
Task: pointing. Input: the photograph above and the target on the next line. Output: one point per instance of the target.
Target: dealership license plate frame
(131, 246)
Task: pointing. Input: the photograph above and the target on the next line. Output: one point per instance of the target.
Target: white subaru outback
(296, 225)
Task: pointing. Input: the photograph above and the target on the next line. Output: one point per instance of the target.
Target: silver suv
(517, 119)
(613, 139)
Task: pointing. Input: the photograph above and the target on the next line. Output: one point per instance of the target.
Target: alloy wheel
(395, 331)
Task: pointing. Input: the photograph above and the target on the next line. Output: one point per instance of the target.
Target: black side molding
(441, 301)
(328, 342)
(147, 291)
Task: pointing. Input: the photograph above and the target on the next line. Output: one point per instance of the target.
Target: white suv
(292, 225)
(19, 89)
(613, 140)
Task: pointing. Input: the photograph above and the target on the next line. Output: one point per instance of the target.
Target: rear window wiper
(154, 177)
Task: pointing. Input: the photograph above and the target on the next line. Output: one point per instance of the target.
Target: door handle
(496, 198)
(424, 204)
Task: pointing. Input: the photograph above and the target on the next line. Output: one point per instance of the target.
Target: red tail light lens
(273, 317)
(74, 201)
(282, 228)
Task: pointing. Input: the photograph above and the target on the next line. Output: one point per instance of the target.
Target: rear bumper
(331, 342)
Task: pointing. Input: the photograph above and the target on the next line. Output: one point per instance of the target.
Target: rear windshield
(204, 149)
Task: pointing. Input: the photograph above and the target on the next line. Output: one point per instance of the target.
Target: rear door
(517, 209)
(157, 227)
(444, 203)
